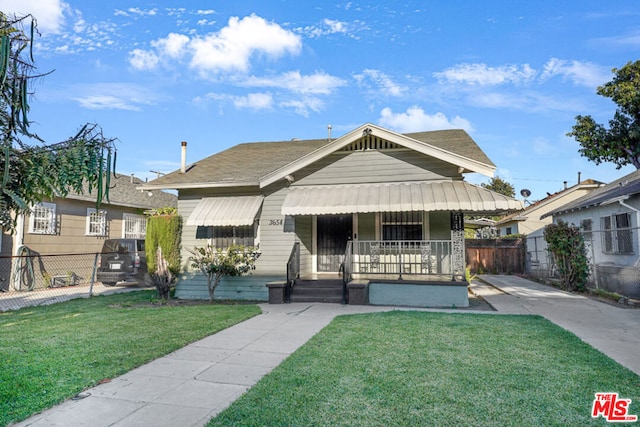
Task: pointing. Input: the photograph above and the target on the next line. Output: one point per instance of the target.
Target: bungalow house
(609, 218)
(72, 225)
(384, 209)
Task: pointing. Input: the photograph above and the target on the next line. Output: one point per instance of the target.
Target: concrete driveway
(615, 331)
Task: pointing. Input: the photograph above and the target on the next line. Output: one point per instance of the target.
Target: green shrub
(164, 231)
(567, 246)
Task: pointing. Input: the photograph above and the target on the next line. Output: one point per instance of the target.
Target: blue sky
(514, 74)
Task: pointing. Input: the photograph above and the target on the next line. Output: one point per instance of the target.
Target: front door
(334, 231)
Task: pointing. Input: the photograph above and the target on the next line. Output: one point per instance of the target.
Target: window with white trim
(42, 219)
(617, 236)
(96, 222)
(134, 226)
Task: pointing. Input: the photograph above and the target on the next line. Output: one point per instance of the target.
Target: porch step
(317, 291)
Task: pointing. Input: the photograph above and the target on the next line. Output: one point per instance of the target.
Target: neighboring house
(379, 204)
(532, 218)
(609, 218)
(73, 226)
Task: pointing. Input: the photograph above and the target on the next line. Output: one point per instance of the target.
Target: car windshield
(120, 246)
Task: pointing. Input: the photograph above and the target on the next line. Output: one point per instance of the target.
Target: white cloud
(483, 75)
(143, 60)
(112, 96)
(328, 26)
(173, 45)
(317, 83)
(105, 102)
(415, 120)
(136, 11)
(305, 105)
(228, 50)
(379, 83)
(580, 73)
(48, 13)
(254, 101)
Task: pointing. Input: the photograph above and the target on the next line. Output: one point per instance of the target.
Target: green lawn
(416, 368)
(49, 354)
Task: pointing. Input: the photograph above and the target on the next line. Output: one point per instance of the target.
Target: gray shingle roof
(628, 185)
(248, 162)
(123, 192)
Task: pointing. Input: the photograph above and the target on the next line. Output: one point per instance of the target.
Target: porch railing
(400, 258)
(293, 270)
(346, 269)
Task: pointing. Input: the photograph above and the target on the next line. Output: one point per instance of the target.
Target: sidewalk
(615, 331)
(193, 384)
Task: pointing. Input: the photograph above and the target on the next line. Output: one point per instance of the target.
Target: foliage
(468, 276)
(51, 353)
(500, 186)
(620, 144)
(215, 263)
(164, 231)
(167, 210)
(30, 170)
(566, 243)
(434, 369)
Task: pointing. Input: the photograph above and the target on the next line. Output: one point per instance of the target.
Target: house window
(401, 225)
(43, 219)
(586, 225)
(96, 222)
(508, 231)
(617, 237)
(223, 237)
(134, 226)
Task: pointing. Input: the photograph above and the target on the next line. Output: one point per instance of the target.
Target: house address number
(276, 221)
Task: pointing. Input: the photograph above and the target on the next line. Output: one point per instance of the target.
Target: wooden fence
(496, 256)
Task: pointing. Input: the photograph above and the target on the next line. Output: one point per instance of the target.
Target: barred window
(134, 226)
(401, 225)
(96, 222)
(617, 237)
(43, 219)
(223, 237)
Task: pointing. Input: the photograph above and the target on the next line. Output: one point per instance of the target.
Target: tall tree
(501, 186)
(620, 143)
(30, 169)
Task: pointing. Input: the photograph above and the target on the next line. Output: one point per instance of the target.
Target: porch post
(457, 243)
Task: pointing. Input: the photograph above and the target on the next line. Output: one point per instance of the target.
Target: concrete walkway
(193, 384)
(615, 331)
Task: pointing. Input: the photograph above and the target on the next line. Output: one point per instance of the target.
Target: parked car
(123, 260)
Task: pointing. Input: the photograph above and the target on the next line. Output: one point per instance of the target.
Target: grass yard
(418, 368)
(51, 353)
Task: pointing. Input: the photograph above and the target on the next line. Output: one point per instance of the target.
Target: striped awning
(395, 197)
(226, 211)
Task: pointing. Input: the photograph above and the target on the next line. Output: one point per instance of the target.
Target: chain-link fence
(613, 255)
(33, 279)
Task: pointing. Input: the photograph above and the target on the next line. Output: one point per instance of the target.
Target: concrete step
(317, 291)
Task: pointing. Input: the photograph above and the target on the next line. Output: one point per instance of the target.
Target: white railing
(402, 258)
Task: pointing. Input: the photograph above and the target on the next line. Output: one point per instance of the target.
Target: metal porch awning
(225, 211)
(395, 197)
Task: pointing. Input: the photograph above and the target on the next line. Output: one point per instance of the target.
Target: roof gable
(375, 137)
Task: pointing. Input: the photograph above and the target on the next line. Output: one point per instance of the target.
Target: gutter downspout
(637, 211)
